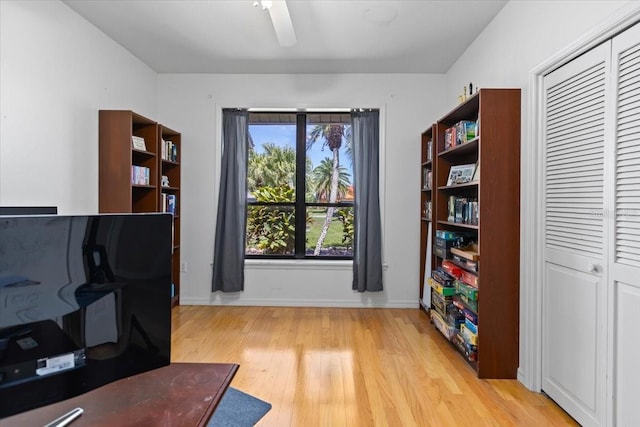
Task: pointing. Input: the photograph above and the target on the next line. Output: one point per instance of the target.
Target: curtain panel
(229, 245)
(367, 253)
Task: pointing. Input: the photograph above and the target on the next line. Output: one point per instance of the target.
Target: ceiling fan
(279, 13)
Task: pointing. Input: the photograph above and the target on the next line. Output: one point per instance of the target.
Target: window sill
(301, 264)
(279, 264)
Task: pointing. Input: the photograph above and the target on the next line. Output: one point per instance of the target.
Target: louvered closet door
(625, 272)
(574, 285)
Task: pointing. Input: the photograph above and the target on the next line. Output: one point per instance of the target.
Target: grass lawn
(334, 234)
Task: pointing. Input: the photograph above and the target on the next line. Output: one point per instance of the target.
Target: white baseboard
(520, 375)
(233, 300)
(194, 301)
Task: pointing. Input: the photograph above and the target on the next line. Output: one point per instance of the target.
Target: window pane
(272, 157)
(337, 239)
(329, 175)
(325, 173)
(270, 230)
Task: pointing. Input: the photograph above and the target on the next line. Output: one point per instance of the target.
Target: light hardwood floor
(352, 367)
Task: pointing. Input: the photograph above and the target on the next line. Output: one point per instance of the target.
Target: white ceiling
(334, 36)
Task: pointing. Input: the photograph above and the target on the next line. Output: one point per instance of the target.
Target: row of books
(427, 179)
(460, 133)
(169, 151)
(427, 210)
(140, 175)
(464, 210)
(169, 203)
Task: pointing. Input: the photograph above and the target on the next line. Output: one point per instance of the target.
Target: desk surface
(181, 394)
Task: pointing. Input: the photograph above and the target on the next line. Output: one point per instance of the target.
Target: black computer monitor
(84, 300)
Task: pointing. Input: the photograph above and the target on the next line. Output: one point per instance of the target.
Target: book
(465, 131)
(169, 150)
(171, 203)
(140, 175)
(450, 138)
(428, 210)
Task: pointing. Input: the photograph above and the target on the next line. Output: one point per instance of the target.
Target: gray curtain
(229, 246)
(367, 253)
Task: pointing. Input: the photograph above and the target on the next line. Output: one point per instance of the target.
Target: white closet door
(574, 281)
(625, 271)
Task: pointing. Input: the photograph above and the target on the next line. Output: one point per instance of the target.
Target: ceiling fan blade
(281, 20)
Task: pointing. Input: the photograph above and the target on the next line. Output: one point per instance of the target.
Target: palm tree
(275, 167)
(332, 135)
(322, 175)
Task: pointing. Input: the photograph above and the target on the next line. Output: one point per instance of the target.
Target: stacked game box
(454, 299)
(445, 240)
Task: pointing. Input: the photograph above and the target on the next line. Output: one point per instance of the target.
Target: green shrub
(345, 215)
(272, 228)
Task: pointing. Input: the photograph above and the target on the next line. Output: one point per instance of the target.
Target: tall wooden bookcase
(170, 168)
(130, 179)
(427, 174)
(496, 149)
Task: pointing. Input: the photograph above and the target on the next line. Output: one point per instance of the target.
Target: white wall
(522, 36)
(56, 72)
(191, 104)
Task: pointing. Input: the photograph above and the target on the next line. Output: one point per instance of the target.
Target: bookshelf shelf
(170, 149)
(119, 191)
(143, 152)
(459, 224)
(457, 187)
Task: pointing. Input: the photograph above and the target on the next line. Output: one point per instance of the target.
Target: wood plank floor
(353, 367)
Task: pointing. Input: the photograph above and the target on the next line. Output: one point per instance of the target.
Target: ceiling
(333, 36)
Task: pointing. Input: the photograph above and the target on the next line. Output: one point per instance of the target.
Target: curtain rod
(299, 110)
(310, 110)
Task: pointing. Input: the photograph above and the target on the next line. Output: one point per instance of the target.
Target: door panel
(625, 269)
(574, 285)
(571, 335)
(627, 355)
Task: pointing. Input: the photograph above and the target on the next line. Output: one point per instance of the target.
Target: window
(300, 186)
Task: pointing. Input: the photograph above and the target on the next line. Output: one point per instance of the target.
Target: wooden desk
(181, 394)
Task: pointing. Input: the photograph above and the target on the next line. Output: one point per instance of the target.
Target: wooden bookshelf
(170, 158)
(119, 190)
(497, 191)
(427, 168)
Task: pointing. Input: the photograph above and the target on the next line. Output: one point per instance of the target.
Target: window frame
(300, 205)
